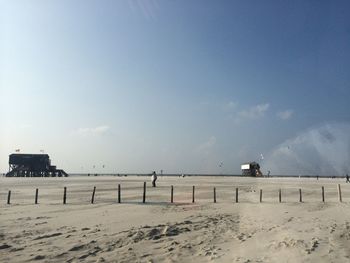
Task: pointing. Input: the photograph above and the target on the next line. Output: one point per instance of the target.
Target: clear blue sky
(182, 86)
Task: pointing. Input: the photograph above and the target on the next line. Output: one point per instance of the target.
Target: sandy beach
(158, 231)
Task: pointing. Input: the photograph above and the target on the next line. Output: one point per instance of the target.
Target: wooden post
(9, 197)
(280, 195)
(322, 194)
(64, 195)
(339, 193)
(172, 194)
(260, 195)
(300, 196)
(36, 195)
(214, 195)
(119, 194)
(192, 194)
(93, 195)
(144, 193)
(236, 195)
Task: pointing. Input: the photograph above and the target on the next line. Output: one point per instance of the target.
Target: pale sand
(181, 232)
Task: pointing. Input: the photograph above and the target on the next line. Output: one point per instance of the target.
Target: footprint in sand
(42, 217)
(243, 237)
(333, 228)
(153, 234)
(77, 248)
(15, 249)
(39, 257)
(48, 236)
(24, 218)
(41, 223)
(5, 246)
(314, 245)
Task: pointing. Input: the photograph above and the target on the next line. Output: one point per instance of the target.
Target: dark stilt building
(32, 165)
(251, 169)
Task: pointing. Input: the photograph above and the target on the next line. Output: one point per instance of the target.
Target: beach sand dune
(158, 231)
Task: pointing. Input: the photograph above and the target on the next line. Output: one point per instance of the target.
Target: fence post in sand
(193, 194)
(236, 195)
(144, 193)
(280, 195)
(322, 194)
(260, 195)
(64, 195)
(300, 196)
(9, 197)
(93, 195)
(172, 194)
(119, 194)
(214, 195)
(36, 195)
(339, 193)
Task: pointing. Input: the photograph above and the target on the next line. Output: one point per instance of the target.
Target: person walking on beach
(347, 178)
(154, 179)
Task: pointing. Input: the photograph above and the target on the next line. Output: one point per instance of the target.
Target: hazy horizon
(178, 86)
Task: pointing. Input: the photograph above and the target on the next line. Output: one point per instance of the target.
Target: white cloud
(92, 131)
(285, 115)
(255, 112)
(323, 150)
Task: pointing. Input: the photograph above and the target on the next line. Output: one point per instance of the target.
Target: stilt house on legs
(32, 165)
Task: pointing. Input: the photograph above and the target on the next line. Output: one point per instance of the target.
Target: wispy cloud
(229, 106)
(254, 112)
(322, 150)
(99, 130)
(285, 115)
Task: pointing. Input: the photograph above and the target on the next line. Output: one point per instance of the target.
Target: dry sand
(158, 231)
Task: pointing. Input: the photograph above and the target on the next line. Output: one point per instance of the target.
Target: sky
(179, 86)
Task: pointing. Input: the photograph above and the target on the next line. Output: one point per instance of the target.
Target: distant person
(268, 173)
(154, 179)
(317, 177)
(347, 178)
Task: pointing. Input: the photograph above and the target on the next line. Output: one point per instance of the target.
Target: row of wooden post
(172, 195)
